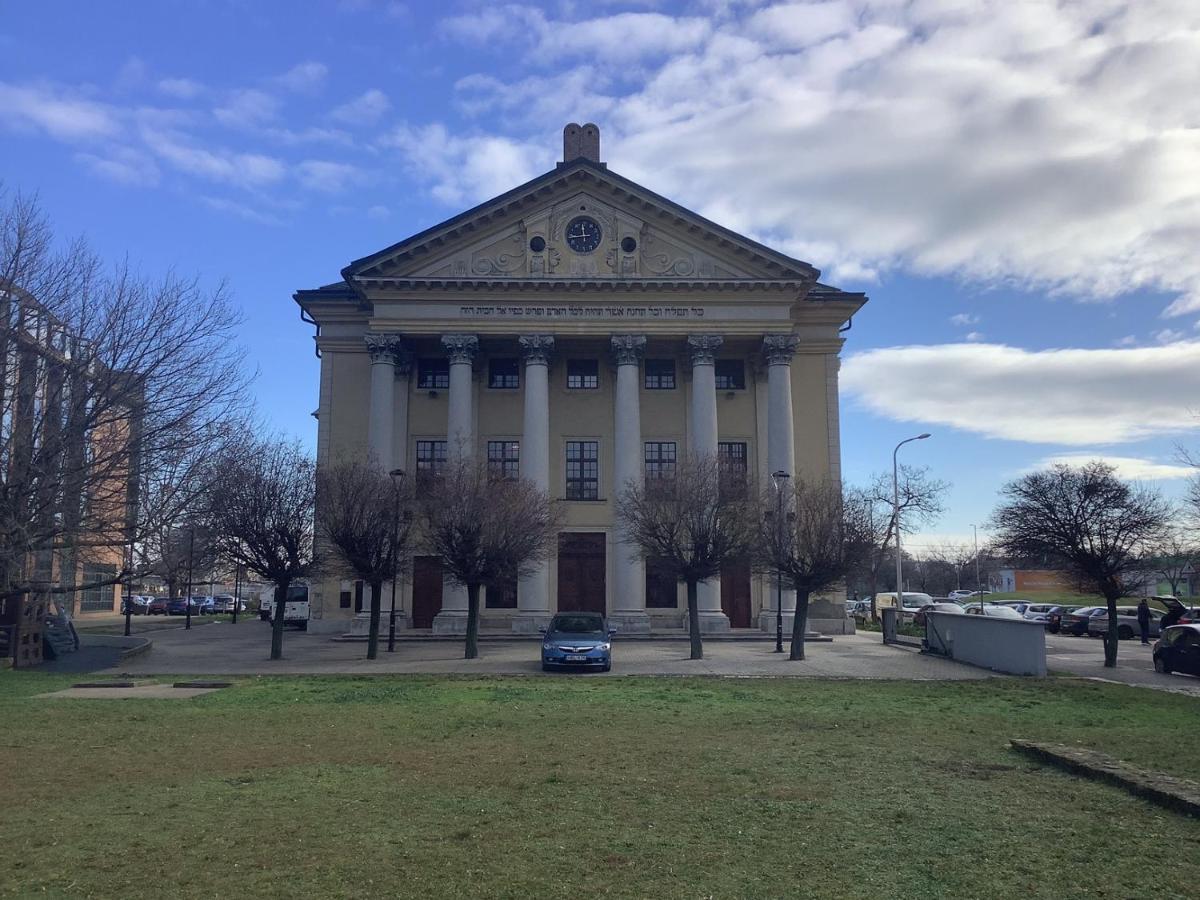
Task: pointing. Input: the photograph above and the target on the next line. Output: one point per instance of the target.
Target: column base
(712, 622)
(530, 622)
(360, 625)
(452, 621)
(766, 622)
(630, 622)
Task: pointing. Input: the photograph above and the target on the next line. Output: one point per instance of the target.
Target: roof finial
(581, 141)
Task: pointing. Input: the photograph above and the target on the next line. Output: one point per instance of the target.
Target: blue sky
(1016, 186)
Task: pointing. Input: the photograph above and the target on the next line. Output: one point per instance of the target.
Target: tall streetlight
(978, 582)
(396, 475)
(896, 524)
(780, 480)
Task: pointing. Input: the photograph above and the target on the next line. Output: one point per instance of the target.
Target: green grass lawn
(515, 787)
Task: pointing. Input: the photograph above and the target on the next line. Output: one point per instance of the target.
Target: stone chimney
(581, 140)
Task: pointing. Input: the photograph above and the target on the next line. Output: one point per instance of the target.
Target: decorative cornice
(780, 348)
(461, 348)
(627, 349)
(384, 347)
(704, 348)
(792, 288)
(536, 348)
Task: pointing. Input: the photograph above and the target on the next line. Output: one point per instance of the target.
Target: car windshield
(578, 624)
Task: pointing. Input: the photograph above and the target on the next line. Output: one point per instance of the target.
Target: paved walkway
(222, 649)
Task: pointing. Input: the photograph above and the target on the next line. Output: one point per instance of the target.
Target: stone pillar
(381, 411)
(781, 450)
(704, 444)
(629, 572)
(460, 444)
(533, 591)
(404, 364)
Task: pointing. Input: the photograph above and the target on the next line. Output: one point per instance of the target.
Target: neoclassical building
(582, 331)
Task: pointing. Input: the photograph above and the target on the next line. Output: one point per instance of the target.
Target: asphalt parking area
(1066, 654)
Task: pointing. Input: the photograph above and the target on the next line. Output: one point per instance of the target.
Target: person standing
(1143, 617)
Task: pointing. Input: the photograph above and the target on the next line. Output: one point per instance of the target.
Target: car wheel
(607, 667)
(1160, 666)
(547, 668)
(1124, 633)
(304, 626)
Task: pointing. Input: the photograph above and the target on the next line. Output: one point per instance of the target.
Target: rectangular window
(583, 374)
(731, 456)
(660, 459)
(661, 592)
(433, 374)
(660, 374)
(730, 375)
(504, 459)
(501, 596)
(583, 470)
(431, 457)
(99, 597)
(345, 600)
(504, 373)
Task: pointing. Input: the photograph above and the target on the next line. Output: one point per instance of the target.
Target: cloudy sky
(1016, 183)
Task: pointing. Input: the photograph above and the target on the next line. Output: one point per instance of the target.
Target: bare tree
(261, 511)
(365, 518)
(489, 531)
(106, 375)
(693, 524)
(921, 497)
(1172, 559)
(1097, 525)
(814, 547)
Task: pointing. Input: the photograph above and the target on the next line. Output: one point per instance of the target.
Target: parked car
(577, 640)
(223, 603)
(179, 606)
(913, 601)
(295, 610)
(1055, 616)
(205, 606)
(1127, 623)
(1038, 612)
(136, 604)
(943, 607)
(157, 607)
(1019, 605)
(959, 595)
(1076, 622)
(994, 610)
(1178, 650)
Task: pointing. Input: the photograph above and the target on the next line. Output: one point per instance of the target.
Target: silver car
(1127, 623)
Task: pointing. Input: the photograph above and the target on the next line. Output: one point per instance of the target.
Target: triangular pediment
(632, 233)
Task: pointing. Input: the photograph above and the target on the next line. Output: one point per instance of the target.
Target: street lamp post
(779, 479)
(978, 582)
(896, 525)
(187, 606)
(396, 475)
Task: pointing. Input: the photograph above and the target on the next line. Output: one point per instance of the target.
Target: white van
(295, 610)
(913, 600)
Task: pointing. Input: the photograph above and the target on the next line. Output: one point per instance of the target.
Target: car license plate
(576, 657)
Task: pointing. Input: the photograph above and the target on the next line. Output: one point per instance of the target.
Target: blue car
(577, 640)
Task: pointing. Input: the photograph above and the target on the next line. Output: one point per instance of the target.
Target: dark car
(1054, 617)
(206, 606)
(179, 606)
(157, 607)
(577, 640)
(1076, 622)
(1178, 650)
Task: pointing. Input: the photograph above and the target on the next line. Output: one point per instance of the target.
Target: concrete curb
(1173, 793)
(137, 649)
(498, 638)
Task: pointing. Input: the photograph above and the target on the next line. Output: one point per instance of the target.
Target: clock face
(583, 234)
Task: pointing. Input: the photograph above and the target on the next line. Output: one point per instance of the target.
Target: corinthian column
(781, 447)
(460, 444)
(533, 591)
(381, 411)
(629, 572)
(704, 349)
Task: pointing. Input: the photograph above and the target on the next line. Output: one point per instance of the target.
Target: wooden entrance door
(735, 594)
(581, 572)
(427, 590)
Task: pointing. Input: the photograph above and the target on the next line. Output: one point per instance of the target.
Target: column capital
(627, 349)
(404, 363)
(780, 348)
(461, 348)
(536, 348)
(704, 348)
(384, 347)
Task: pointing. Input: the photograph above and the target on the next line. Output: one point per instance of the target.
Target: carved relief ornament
(780, 348)
(384, 347)
(460, 348)
(704, 348)
(627, 349)
(536, 348)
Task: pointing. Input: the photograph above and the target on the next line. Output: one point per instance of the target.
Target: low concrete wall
(1003, 645)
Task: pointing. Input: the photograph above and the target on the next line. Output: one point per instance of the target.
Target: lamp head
(921, 437)
(396, 473)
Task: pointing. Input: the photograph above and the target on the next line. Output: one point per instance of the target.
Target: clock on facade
(583, 234)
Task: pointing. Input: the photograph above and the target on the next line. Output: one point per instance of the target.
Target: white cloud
(1072, 397)
(248, 108)
(1128, 341)
(1169, 336)
(964, 319)
(181, 88)
(975, 336)
(1040, 144)
(323, 175)
(123, 165)
(241, 210)
(218, 164)
(364, 109)
(1131, 468)
(304, 78)
(63, 117)
(378, 211)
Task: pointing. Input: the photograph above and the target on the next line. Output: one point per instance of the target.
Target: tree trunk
(472, 621)
(373, 630)
(281, 591)
(800, 623)
(694, 621)
(172, 588)
(1111, 636)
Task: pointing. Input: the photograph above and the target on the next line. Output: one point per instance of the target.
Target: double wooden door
(581, 564)
(427, 590)
(735, 594)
